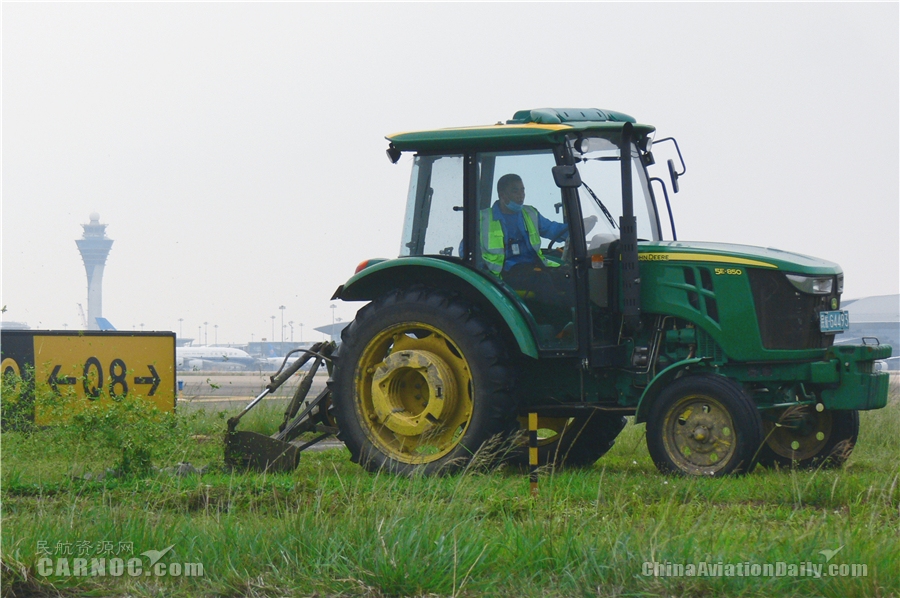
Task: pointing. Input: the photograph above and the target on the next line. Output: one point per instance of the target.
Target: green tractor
(534, 278)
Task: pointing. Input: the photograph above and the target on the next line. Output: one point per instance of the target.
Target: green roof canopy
(526, 128)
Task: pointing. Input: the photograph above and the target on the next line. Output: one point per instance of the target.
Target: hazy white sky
(236, 151)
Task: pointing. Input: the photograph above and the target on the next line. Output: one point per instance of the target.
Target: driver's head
(510, 190)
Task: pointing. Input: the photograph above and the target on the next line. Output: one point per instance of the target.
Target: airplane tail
(104, 324)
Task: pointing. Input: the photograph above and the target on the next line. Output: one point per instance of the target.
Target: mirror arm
(677, 149)
(668, 205)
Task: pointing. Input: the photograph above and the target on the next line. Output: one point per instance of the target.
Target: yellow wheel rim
(698, 435)
(799, 434)
(414, 390)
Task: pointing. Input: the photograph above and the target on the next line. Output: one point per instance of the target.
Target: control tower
(94, 247)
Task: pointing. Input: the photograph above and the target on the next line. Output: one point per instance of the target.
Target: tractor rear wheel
(704, 425)
(571, 442)
(805, 438)
(420, 383)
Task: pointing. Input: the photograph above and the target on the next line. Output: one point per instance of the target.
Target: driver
(511, 249)
(511, 233)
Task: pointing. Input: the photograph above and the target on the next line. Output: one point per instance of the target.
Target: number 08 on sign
(87, 367)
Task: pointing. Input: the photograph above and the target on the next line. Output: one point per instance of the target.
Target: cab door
(525, 247)
(600, 198)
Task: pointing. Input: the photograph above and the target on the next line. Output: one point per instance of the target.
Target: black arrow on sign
(54, 380)
(154, 379)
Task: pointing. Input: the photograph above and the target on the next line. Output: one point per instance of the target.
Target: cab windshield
(600, 194)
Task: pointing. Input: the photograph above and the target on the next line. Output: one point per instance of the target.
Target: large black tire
(806, 438)
(704, 425)
(422, 381)
(571, 442)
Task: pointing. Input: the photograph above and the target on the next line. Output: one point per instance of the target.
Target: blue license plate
(834, 321)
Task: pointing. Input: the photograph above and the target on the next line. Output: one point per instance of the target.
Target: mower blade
(251, 450)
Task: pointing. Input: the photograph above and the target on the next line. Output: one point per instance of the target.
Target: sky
(236, 150)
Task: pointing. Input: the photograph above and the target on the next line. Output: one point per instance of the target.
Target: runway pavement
(227, 391)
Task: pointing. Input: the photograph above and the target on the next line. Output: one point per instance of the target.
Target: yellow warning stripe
(487, 127)
(702, 257)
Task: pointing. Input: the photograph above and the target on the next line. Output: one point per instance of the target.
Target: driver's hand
(589, 224)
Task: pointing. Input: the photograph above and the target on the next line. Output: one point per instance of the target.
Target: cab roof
(541, 126)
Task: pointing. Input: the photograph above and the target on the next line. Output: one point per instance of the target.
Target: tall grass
(332, 529)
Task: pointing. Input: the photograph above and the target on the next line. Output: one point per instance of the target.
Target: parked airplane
(273, 363)
(203, 358)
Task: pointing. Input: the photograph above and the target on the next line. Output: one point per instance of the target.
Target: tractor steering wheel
(555, 239)
(560, 253)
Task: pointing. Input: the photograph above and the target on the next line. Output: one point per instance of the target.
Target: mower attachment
(251, 450)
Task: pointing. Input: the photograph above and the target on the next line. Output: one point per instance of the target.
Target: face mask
(514, 206)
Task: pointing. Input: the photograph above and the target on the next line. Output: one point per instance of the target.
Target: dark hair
(505, 181)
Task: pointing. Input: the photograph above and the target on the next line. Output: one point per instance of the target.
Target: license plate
(834, 321)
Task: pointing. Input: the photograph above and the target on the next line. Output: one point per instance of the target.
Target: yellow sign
(98, 366)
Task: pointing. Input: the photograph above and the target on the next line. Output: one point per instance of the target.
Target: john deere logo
(834, 303)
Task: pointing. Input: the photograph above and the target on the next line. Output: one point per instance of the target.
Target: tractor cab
(536, 206)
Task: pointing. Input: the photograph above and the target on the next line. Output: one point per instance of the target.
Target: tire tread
(487, 353)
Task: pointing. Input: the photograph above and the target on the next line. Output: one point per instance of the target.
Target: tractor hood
(736, 255)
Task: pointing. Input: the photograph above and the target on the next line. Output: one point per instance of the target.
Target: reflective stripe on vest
(493, 246)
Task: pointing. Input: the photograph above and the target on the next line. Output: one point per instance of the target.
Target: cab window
(434, 208)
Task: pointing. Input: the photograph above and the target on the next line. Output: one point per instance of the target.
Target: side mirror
(673, 175)
(566, 176)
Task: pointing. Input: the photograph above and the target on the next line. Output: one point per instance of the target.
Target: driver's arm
(552, 230)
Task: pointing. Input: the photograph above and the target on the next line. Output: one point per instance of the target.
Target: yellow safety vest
(493, 246)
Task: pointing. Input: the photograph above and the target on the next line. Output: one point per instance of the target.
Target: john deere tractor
(571, 304)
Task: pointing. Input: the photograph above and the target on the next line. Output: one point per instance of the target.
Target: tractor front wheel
(421, 382)
(704, 425)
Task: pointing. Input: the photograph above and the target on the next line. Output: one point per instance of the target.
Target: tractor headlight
(814, 285)
(840, 284)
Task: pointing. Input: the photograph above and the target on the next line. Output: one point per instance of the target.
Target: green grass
(329, 528)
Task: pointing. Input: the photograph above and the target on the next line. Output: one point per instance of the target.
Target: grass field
(329, 528)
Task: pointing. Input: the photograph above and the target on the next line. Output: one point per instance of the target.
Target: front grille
(788, 319)
(705, 290)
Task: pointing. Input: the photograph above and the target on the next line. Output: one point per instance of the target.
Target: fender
(658, 383)
(383, 276)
